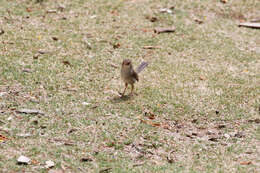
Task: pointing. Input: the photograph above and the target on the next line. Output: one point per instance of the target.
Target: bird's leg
(126, 84)
(132, 89)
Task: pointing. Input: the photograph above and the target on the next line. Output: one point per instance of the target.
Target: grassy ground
(195, 109)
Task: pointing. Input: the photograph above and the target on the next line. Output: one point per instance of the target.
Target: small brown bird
(129, 75)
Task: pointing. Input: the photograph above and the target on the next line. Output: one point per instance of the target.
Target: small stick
(164, 30)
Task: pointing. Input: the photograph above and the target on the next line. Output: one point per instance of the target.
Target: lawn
(196, 107)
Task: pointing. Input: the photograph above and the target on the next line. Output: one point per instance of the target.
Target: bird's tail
(141, 67)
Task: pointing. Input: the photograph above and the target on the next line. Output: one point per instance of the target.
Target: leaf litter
(30, 111)
(23, 160)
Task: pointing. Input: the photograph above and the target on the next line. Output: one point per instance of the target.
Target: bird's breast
(127, 76)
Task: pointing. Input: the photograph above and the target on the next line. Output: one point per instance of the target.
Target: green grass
(202, 76)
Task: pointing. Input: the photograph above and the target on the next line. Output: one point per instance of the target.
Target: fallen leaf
(170, 158)
(105, 170)
(41, 51)
(164, 30)
(257, 121)
(156, 124)
(65, 142)
(94, 107)
(85, 103)
(36, 56)
(213, 138)
(7, 42)
(223, 1)
(199, 21)
(166, 126)
(194, 134)
(34, 100)
(24, 135)
(68, 143)
(63, 18)
(246, 163)
(49, 164)
(67, 63)
(93, 17)
(144, 30)
(249, 152)
(61, 7)
(23, 160)
(221, 126)
(116, 45)
(28, 10)
(150, 115)
(194, 121)
(151, 123)
(138, 164)
(151, 47)
(210, 132)
(239, 135)
(172, 7)
(114, 12)
(43, 126)
(250, 25)
(27, 70)
(86, 159)
(202, 78)
(30, 111)
(55, 38)
(2, 31)
(226, 135)
(87, 43)
(51, 11)
(34, 162)
(165, 10)
(71, 130)
(189, 135)
(151, 19)
(3, 138)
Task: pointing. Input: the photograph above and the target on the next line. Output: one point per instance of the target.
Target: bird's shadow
(118, 99)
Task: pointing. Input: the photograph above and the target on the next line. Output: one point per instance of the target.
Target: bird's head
(127, 63)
